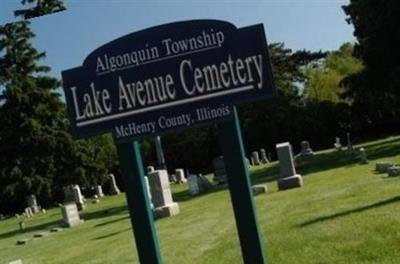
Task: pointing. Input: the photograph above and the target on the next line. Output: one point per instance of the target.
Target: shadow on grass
(184, 196)
(28, 228)
(104, 213)
(348, 212)
(113, 221)
(111, 234)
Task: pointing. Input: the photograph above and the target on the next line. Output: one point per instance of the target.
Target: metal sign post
(230, 138)
(138, 202)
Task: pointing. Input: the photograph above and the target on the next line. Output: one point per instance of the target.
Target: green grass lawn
(345, 213)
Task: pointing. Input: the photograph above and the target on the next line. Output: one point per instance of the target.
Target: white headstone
(99, 191)
(113, 185)
(180, 175)
(161, 195)
(78, 197)
(264, 158)
(70, 214)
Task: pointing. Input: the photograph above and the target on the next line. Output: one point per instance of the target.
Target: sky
(68, 37)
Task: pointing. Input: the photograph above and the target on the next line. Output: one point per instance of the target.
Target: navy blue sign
(168, 77)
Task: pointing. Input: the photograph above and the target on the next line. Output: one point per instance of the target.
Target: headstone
(113, 185)
(32, 203)
(69, 194)
(203, 183)
(264, 158)
(338, 145)
(99, 191)
(363, 156)
(180, 175)
(287, 170)
(70, 215)
(172, 178)
(259, 188)
(349, 144)
(146, 181)
(305, 149)
(28, 212)
(80, 203)
(43, 211)
(193, 184)
(393, 171)
(252, 161)
(150, 169)
(161, 195)
(383, 167)
(219, 170)
(21, 226)
(256, 158)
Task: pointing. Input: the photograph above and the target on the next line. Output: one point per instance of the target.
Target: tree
(42, 7)
(324, 77)
(375, 90)
(38, 155)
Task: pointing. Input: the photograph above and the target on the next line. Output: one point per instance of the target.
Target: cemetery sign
(168, 77)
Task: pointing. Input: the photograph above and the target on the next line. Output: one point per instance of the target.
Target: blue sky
(68, 37)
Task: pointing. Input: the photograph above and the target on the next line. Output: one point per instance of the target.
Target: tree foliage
(41, 7)
(376, 89)
(38, 155)
(324, 77)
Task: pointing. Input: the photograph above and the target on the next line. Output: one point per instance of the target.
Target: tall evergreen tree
(38, 155)
(376, 89)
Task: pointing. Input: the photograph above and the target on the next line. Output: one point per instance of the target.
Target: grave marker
(290, 179)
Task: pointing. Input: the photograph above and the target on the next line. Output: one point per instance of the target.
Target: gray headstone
(193, 184)
(203, 182)
(306, 149)
(32, 203)
(150, 169)
(256, 158)
(247, 163)
(21, 226)
(383, 167)
(363, 156)
(264, 158)
(70, 214)
(180, 175)
(99, 191)
(79, 200)
(161, 195)
(259, 188)
(219, 170)
(113, 185)
(287, 169)
(393, 171)
(338, 145)
(349, 144)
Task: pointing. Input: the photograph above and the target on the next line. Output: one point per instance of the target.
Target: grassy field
(345, 213)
